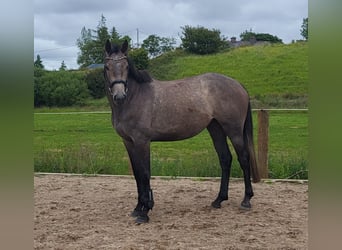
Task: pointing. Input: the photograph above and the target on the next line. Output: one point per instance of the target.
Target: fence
(262, 139)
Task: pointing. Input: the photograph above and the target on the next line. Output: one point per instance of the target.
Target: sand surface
(77, 212)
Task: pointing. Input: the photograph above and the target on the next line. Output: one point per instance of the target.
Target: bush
(60, 88)
(140, 58)
(249, 36)
(200, 40)
(95, 82)
(268, 38)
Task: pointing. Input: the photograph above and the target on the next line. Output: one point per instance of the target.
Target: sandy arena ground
(75, 212)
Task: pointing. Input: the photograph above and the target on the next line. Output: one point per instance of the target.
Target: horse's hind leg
(225, 157)
(242, 152)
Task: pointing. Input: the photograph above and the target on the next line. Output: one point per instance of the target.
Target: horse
(145, 110)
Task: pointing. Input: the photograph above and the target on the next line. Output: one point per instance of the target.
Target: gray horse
(146, 110)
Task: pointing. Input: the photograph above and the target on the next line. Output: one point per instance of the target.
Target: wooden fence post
(263, 123)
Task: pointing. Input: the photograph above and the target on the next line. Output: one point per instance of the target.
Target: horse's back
(217, 84)
(210, 92)
(187, 106)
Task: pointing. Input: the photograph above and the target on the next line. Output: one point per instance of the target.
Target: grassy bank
(86, 143)
(276, 76)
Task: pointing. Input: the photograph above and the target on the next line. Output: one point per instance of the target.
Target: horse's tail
(248, 138)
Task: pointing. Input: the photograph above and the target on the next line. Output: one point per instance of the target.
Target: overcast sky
(58, 23)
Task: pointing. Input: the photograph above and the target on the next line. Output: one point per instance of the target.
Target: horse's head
(116, 70)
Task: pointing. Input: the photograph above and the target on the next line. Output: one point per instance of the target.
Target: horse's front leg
(139, 155)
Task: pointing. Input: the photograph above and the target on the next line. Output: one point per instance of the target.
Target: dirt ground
(78, 212)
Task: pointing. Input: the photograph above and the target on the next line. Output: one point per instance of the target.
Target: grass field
(274, 75)
(86, 143)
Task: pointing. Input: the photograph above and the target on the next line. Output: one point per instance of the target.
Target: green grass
(288, 145)
(274, 75)
(87, 144)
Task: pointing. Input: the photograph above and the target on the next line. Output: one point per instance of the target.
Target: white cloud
(52, 54)
(58, 23)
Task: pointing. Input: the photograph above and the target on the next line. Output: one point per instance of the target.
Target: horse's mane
(141, 76)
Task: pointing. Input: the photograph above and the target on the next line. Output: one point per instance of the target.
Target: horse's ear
(124, 47)
(108, 47)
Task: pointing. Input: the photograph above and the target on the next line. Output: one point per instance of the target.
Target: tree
(86, 45)
(102, 35)
(247, 35)
(167, 44)
(117, 39)
(92, 42)
(304, 29)
(151, 44)
(156, 45)
(38, 63)
(91, 46)
(122, 39)
(63, 66)
(114, 35)
(200, 40)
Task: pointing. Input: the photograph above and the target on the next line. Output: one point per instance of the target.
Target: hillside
(276, 76)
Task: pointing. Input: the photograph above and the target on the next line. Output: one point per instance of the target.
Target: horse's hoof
(245, 205)
(216, 204)
(135, 213)
(142, 219)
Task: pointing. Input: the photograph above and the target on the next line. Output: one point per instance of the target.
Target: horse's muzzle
(118, 89)
(119, 98)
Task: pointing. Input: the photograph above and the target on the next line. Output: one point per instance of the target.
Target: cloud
(77, 7)
(52, 54)
(59, 23)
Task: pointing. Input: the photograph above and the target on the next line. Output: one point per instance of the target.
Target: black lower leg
(242, 152)
(225, 163)
(244, 162)
(137, 209)
(144, 206)
(246, 204)
(139, 155)
(220, 143)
